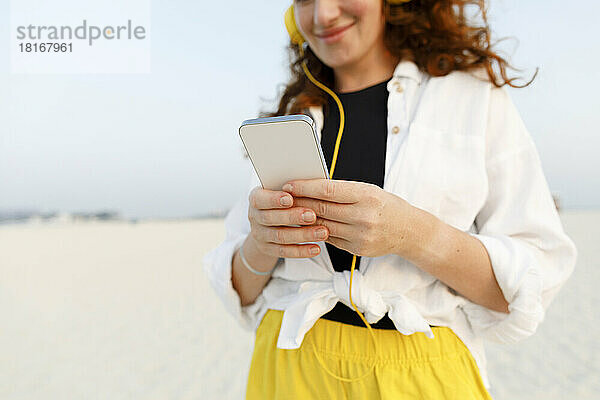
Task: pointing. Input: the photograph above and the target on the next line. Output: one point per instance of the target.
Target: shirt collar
(408, 69)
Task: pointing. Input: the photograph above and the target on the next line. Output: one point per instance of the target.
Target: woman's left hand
(362, 218)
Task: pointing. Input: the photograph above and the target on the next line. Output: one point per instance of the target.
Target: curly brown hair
(435, 34)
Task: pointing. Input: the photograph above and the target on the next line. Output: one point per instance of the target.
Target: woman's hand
(268, 217)
(362, 218)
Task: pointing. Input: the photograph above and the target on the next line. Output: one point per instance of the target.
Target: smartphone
(283, 148)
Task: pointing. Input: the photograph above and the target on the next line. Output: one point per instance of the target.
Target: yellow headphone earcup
(290, 24)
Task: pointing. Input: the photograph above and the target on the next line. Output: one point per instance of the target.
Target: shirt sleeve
(218, 268)
(520, 228)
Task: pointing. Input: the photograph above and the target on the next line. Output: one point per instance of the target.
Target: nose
(326, 13)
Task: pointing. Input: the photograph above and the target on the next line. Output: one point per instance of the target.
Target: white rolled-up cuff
(217, 264)
(519, 276)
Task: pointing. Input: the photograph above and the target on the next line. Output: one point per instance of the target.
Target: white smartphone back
(283, 148)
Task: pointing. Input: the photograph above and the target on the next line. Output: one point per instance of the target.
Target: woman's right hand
(268, 217)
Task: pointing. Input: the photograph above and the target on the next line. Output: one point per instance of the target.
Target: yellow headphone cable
(331, 170)
(297, 38)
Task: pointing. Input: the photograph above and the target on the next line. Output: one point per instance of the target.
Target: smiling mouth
(334, 35)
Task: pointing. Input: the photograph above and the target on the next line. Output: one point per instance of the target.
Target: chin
(335, 60)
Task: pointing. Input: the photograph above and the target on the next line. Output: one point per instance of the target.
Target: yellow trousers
(407, 367)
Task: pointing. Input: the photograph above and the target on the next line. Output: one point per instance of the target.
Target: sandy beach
(119, 310)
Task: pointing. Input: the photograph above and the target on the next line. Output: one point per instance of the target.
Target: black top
(361, 157)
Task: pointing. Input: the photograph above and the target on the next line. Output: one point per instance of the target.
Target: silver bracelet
(252, 269)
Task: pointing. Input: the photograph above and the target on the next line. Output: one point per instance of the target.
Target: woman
(439, 193)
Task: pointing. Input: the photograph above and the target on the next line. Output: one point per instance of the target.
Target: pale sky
(165, 144)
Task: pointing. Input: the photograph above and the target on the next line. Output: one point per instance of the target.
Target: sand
(123, 311)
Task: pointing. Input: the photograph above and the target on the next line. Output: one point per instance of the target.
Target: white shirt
(457, 148)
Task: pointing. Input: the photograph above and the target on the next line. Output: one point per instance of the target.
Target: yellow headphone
(297, 39)
(290, 24)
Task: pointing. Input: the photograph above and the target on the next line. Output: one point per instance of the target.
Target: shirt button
(395, 130)
(399, 88)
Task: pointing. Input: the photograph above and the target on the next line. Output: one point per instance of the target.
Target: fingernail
(287, 187)
(321, 233)
(315, 250)
(285, 201)
(308, 216)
